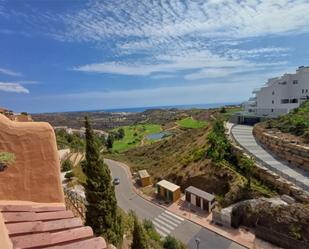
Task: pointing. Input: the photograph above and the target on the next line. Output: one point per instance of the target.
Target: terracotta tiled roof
(35, 225)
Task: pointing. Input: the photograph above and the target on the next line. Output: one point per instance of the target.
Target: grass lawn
(191, 123)
(134, 134)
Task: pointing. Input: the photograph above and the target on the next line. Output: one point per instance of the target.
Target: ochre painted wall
(35, 176)
(145, 181)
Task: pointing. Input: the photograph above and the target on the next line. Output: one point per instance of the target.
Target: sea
(180, 107)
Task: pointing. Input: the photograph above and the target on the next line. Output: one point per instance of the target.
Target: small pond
(159, 135)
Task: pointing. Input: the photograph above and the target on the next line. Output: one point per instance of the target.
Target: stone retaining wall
(295, 154)
(271, 178)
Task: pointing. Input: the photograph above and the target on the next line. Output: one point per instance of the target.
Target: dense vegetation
(101, 207)
(296, 122)
(72, 141)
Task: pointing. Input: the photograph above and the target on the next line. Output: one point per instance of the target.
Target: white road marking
(171, 219)
(166, 222)
(174, 215)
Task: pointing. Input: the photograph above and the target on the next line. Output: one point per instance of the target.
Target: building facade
(279, 95)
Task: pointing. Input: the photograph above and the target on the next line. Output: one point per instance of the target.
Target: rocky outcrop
(293, 153)
(35, 175)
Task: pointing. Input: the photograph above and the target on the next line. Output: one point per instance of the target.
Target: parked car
(116, 181)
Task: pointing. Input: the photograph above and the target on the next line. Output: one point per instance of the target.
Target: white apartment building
(279, 95)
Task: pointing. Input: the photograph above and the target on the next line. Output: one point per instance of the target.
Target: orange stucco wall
(5, 241)
(35, 176)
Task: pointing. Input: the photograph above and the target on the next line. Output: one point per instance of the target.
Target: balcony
(256, 90)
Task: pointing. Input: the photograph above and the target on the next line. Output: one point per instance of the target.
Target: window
(303, 91)
(272, 102)
(306, 90)
(293, 100)
(272, 110)
(285, 101)
(273, 93)
(295, 82)
(282, 83)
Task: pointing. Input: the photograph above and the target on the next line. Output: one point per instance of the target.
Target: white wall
(269, 98)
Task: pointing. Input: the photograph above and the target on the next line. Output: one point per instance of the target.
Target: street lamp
(197, 241)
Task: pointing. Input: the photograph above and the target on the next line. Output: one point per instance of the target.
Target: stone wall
(295, 154)
(270, 178)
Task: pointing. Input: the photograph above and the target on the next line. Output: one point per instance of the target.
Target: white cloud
(257, 52)
(204, 63)
(12, 87)
(220, 72)
(159, 19)
(9, 72)
(163, 76)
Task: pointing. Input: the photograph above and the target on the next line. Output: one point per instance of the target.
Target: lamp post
(197, 241)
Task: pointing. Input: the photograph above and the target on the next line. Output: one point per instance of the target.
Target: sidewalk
(241, 236)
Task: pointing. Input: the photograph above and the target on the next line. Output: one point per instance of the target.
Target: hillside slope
(183, 160)
(295, 123)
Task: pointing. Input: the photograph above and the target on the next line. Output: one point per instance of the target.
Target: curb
(128, 172)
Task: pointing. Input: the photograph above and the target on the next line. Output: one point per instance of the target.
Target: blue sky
(80, 55)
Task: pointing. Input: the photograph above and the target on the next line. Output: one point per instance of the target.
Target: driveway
(164, 221)
(243, 135)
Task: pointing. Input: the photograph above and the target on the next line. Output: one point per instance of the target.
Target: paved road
(164, 221)
(243, 135)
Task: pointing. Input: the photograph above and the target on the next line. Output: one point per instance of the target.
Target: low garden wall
(293, 153)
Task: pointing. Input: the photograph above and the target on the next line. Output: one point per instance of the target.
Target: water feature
(159, 135)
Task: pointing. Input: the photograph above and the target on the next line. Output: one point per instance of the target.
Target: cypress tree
(101, 204)
(139, 236)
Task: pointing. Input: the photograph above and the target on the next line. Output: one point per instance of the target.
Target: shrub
(296, 122)
(151, 231)
(7, 158)
(306, 136)
(69, 175)
(171, 243)
(296, 231)
(66, 165)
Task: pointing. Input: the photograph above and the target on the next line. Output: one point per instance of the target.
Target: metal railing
(75, 202)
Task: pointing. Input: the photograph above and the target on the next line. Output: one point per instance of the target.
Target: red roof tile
(43, 226)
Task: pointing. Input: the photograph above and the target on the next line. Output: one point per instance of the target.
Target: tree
(101, 205)
(223, 110)
(247, 165)
(171, 243)
(139, 235)
(66, 165)
(110, 141)
(218, 144)
(121, 133)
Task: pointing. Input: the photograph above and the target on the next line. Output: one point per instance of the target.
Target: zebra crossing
(166, 222)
